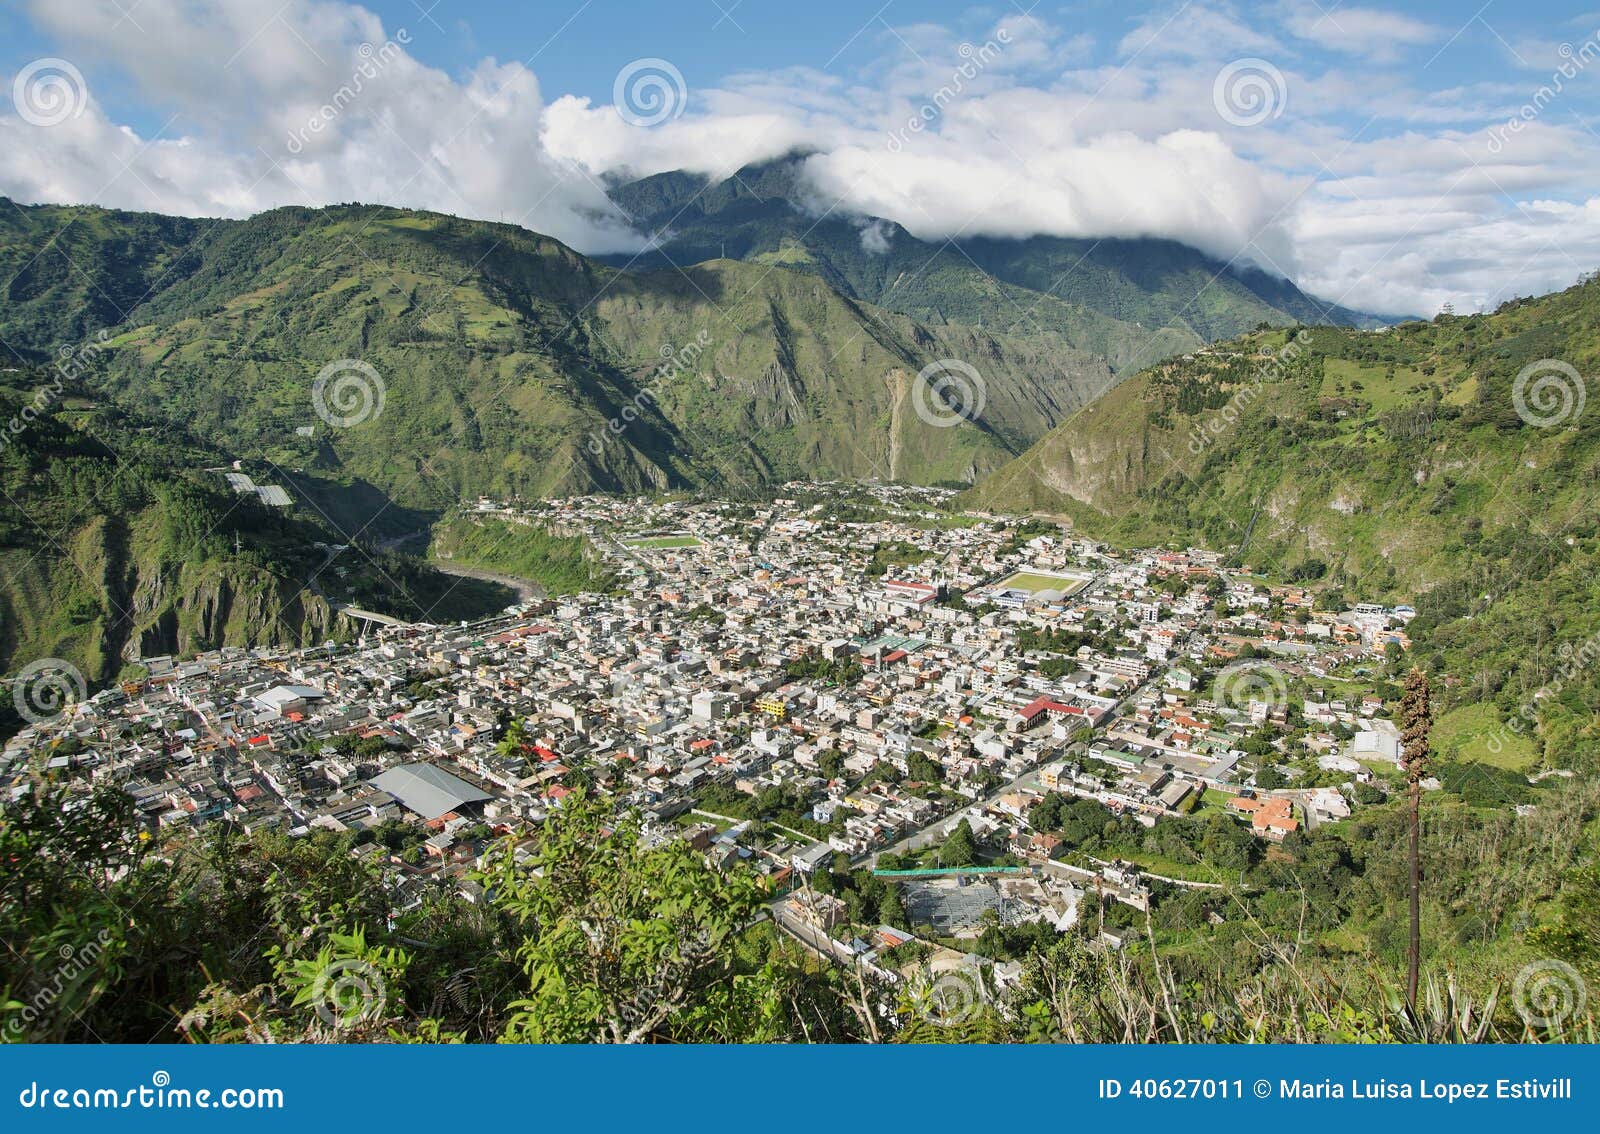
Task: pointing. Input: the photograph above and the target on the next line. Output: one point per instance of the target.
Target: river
(527, 590)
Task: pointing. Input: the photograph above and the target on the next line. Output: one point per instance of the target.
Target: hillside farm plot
(661, 542)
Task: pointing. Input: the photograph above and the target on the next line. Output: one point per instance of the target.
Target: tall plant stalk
(1416, 718)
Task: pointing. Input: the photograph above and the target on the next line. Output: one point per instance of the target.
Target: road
(926, 836)
(599, 538)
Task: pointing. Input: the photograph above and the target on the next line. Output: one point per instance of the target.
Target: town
(846, 680)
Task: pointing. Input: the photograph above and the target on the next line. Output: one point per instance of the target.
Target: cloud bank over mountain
(1315, 145)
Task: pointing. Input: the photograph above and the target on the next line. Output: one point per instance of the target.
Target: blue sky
(577, 47)
(1372, 157)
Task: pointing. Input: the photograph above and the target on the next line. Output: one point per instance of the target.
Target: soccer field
(663, 542)
(1034, 582)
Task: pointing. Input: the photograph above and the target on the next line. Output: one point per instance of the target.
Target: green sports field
(1034, 582)
(663, 542)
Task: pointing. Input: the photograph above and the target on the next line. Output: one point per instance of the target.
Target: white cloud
(251, 95)
(1367, 189)
(1368, 32)
(1198, 31)
(876, 236)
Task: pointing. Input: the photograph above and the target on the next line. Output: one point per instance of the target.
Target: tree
(515, 737)
(1416, 717)
(1369, 793)
(1046, 814)
(105, 930)
(924, 770)
(960, 849)
(890, 909)
(1575, 935)
(624, 942)
(1269, 778)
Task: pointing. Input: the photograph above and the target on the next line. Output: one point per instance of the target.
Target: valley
(846, 576)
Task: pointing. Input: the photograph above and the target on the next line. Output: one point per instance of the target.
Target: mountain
(71, 272)
(1452, 464)
(507, 362)
(1133, 301)
(120, 540)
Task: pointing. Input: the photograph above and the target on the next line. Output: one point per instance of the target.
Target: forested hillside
(120, 539)
(492, 359)
(592, 933)
(1452, 464)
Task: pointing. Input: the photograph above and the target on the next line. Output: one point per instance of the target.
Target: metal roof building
(427, 790)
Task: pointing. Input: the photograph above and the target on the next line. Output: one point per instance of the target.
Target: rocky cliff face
(1100, 459)
(181, 610)
(103, 598)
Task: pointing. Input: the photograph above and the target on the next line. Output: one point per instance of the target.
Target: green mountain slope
(510, 363)
(1391, 464)
(1131, 301)
(120, 539)
(70, 272)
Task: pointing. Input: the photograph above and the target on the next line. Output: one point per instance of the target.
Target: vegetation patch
(562, 565)
(663, 543)
(1475, 734)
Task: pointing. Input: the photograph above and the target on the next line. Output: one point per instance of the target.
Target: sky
(1394, 158)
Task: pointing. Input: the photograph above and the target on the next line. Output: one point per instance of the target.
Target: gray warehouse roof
(427, 790)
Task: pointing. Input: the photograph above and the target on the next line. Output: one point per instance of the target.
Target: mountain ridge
(505, 354)
(121, 541)
(766, 211)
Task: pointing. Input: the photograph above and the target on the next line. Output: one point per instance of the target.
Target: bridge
(368, 615)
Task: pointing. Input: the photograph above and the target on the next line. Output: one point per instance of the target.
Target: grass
(1171, 868)
(663, 542)
(1474, 734)
(1034, 582)
(560, 564)
(1380, 392)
